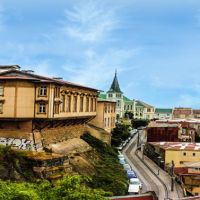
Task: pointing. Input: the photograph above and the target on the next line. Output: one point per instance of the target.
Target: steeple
(115, 85)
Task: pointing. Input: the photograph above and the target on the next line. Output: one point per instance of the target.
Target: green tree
(136, 123)
(68, 188)
(120, 133)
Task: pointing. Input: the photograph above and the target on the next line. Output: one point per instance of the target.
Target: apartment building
(36, 110)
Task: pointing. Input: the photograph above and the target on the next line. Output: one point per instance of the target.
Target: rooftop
(115, 85)
(177, 146)
(163, 110)
(14, 73)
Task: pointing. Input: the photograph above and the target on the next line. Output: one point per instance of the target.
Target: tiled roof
(17, 74)
(178, 146)
(183, 111)
(163, 110)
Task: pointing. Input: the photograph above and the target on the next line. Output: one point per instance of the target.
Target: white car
(134, 186)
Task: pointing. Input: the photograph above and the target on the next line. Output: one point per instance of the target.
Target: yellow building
(106, 115)
(179, 152)
(186, 159)
(36, 110)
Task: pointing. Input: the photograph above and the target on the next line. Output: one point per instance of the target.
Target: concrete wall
(100, 134)
(59, 134)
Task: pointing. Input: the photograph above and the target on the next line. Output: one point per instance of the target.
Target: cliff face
(85, 156)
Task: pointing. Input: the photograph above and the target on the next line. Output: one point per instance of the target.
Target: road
(147, 173)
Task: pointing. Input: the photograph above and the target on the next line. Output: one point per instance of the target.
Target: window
(108, 122)
(95, 105)
(75, 104)
(105, 108)
(1, 107)
(125, 107)
(131, 107)
(42, 108)
(81, 104)
(68, 109)
(110, 95)
(91, 105)
(108, 108)
(194, 154)
(148, 109)
(128, 107)
(105, 121)
(43, 91)
(1, 90)
(57, 92)
(63, 103)
(87, 104)
(184, 153)
(56, 108)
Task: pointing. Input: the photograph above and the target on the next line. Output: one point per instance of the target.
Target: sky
(154, 45)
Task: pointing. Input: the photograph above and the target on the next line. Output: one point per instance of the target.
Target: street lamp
(159, 159)
(143, 151)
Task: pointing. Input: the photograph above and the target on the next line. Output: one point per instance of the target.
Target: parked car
(122, 161)
(134, 186)
(131, 174)
(120, 147)
(120, 156)
(127, 167)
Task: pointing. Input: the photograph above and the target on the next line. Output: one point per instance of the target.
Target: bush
(69, 188)
(110, 175)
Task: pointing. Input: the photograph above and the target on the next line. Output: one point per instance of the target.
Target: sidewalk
(177, 190)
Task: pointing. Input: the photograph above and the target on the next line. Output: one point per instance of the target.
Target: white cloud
(98, 69)
(90, 21)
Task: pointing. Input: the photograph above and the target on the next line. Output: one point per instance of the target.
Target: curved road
(147, 173)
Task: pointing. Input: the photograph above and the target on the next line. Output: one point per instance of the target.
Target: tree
(136, 123)
(119, 134)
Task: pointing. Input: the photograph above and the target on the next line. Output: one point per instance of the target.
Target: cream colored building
(106, 115)
(33, 108)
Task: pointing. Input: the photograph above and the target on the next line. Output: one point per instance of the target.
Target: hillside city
(62, 140)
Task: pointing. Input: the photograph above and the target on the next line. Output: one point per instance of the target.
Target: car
(120, 156)
(131, 174)
(127, 167)
(122, 161)
(134, 186)
(120, 147)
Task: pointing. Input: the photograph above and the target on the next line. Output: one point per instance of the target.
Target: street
(147, 172)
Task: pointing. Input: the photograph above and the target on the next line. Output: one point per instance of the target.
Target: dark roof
(163, 110)
(141, 103)
(126, 98)
(102, 96)
(115, 85)
(22, 75)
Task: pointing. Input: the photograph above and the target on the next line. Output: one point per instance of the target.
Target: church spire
(115, 85)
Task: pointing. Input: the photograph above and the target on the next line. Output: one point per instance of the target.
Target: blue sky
(153, 44)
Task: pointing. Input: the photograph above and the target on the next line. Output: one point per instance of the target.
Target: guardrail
(161, 181)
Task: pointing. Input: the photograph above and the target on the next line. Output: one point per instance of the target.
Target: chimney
(4, 68)
(58, 78)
